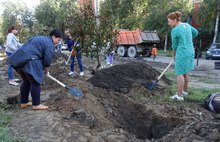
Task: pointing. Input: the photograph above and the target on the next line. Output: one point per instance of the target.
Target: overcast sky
(30, 3)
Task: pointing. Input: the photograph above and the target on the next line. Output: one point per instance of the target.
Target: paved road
(164, 59)
(202, 61)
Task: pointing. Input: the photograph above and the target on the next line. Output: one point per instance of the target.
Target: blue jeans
(79, 60)
(10, 69)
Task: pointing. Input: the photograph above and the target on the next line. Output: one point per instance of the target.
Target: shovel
(77, 93)
(154, 82)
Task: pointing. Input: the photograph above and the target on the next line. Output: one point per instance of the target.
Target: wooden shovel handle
(165, 69)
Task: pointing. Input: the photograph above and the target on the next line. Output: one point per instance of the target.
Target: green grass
(4, 132)
(170, 75)
(196, 95)
(168, 53)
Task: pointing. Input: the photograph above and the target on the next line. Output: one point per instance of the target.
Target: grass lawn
(4, 121)
(162, 53)
(196, 95)
(168, 53)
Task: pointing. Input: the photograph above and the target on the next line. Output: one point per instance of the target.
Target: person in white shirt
(12, 44)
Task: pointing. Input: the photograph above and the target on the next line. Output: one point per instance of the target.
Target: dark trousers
(29, 85)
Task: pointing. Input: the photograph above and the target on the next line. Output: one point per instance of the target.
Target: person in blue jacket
(41, 48)
(74, 45)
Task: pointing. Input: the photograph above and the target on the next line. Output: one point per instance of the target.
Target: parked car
(213, 52)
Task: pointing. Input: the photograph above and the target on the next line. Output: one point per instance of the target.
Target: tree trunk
(165, 44)
(216, 26)
(98, 60)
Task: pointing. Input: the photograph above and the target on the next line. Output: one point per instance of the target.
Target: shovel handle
(54, 79)
(165, 69)
(68, 58)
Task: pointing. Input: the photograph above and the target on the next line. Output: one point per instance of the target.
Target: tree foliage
(46, 13)
(128, 14)
(19, 15)
(158, 11)
(81, 20)
(206, 17)
(207, 14)
(114, 14)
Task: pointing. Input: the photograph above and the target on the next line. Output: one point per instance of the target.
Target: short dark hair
(55, 33)
(11, 28)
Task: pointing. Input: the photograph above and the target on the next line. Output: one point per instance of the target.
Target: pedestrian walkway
(201, 62)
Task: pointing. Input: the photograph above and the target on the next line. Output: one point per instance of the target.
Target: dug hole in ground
(112, 109)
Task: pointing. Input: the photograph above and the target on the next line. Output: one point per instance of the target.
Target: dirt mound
(121, 77)
(116, 107)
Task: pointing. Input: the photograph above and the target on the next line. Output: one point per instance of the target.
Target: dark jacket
(41, 48)
(70, 43)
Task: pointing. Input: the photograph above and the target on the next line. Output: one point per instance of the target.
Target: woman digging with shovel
(182, 36)
(41, 49)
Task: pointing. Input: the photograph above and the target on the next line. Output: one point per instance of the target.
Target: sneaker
(81, 73)
(40, 107)
(176, 97)
(71, 73)
(16, 80)
(185, 94)
(12, 82)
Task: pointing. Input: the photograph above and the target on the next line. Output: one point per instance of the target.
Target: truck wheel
(132, 52)
(148, 54)
(122, 51)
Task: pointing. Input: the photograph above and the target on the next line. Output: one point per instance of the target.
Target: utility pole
(96, 3)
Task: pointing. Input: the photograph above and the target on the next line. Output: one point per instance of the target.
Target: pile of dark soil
(121, 77)
(109, 111)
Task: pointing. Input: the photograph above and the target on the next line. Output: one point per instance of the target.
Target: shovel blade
(151, 85)
(75, 92)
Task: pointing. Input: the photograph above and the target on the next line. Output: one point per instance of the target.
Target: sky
(30, 3)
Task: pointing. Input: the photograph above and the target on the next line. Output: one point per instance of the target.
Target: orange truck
(135, 43)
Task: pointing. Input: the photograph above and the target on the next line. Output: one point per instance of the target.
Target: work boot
(40, 107)
(26, 105)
